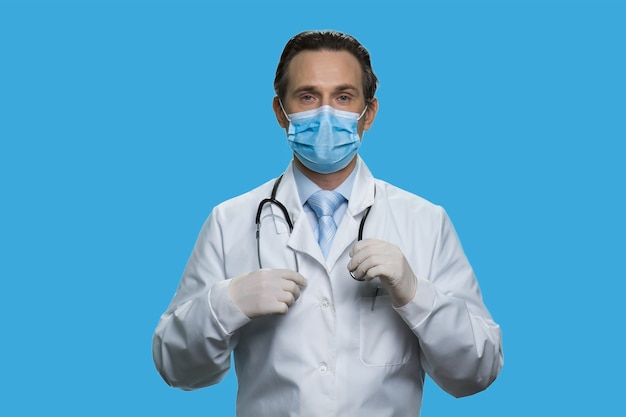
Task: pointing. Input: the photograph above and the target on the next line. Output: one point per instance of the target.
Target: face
(318, 78)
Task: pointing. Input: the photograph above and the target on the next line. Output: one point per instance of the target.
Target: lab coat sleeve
(461, 345)
(196, 335)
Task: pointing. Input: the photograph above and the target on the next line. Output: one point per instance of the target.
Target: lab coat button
(323, 368)
(325, 302)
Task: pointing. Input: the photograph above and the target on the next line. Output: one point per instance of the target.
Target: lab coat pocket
(385, 339)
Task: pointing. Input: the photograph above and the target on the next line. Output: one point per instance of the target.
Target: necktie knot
(324, 203)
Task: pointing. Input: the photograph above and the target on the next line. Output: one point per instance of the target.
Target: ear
(370, 114)
(280, 115)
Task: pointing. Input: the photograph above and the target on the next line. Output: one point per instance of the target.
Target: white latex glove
(266, 291)
(373, 258)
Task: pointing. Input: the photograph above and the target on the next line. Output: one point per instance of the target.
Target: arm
(195, 336)
(198, 332)
(461, 345)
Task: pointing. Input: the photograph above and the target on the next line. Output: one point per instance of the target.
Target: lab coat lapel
(302, 238)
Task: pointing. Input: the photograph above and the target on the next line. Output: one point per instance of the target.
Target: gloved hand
(266, 291)
(373, 258)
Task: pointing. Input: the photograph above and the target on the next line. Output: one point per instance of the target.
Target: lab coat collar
(361, 197)
(363, 191)
(302, 238)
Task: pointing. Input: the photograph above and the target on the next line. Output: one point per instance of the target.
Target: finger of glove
(364, 252)
(286, 297)
(365, 243)
(277, 278)
(292, 288)
(293, 276)
(370, 267)
(269, 302)
(387, 273)
(266, 307)
(281, 308)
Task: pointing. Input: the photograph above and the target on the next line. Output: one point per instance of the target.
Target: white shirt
(332, 354)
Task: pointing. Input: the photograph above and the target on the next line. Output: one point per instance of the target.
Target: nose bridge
(326, 99)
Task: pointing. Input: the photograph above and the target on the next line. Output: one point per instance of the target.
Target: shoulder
(410, 214)
(237, 213)
(402, 199)
(252, 198)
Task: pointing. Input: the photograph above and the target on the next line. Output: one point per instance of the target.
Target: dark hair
(330, 40)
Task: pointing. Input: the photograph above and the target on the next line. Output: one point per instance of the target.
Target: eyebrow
(313, 89)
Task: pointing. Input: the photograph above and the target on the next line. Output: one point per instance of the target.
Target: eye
(307, 98)
(344, 98)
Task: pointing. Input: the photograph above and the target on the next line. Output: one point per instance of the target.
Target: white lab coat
(337, 351)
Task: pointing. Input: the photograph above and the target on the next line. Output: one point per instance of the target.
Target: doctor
(337, 312)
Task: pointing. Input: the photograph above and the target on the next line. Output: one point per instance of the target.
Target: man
(322, 323)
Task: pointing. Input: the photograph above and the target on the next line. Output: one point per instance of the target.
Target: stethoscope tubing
(272, 200)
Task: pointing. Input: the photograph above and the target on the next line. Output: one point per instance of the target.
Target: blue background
(123, 123)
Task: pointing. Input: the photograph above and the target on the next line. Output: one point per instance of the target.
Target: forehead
(324, 70)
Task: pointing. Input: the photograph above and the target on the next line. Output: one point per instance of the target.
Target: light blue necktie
(324, 203)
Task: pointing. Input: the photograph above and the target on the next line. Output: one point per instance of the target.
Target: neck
(327, 181)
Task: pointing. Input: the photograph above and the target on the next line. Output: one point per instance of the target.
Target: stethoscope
(272, 200)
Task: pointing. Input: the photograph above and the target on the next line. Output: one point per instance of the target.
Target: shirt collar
(306, 187)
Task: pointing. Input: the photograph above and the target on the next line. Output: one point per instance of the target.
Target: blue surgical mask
(325, 139)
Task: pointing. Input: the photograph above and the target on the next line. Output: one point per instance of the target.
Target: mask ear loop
(283, 109)
(362, 113)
